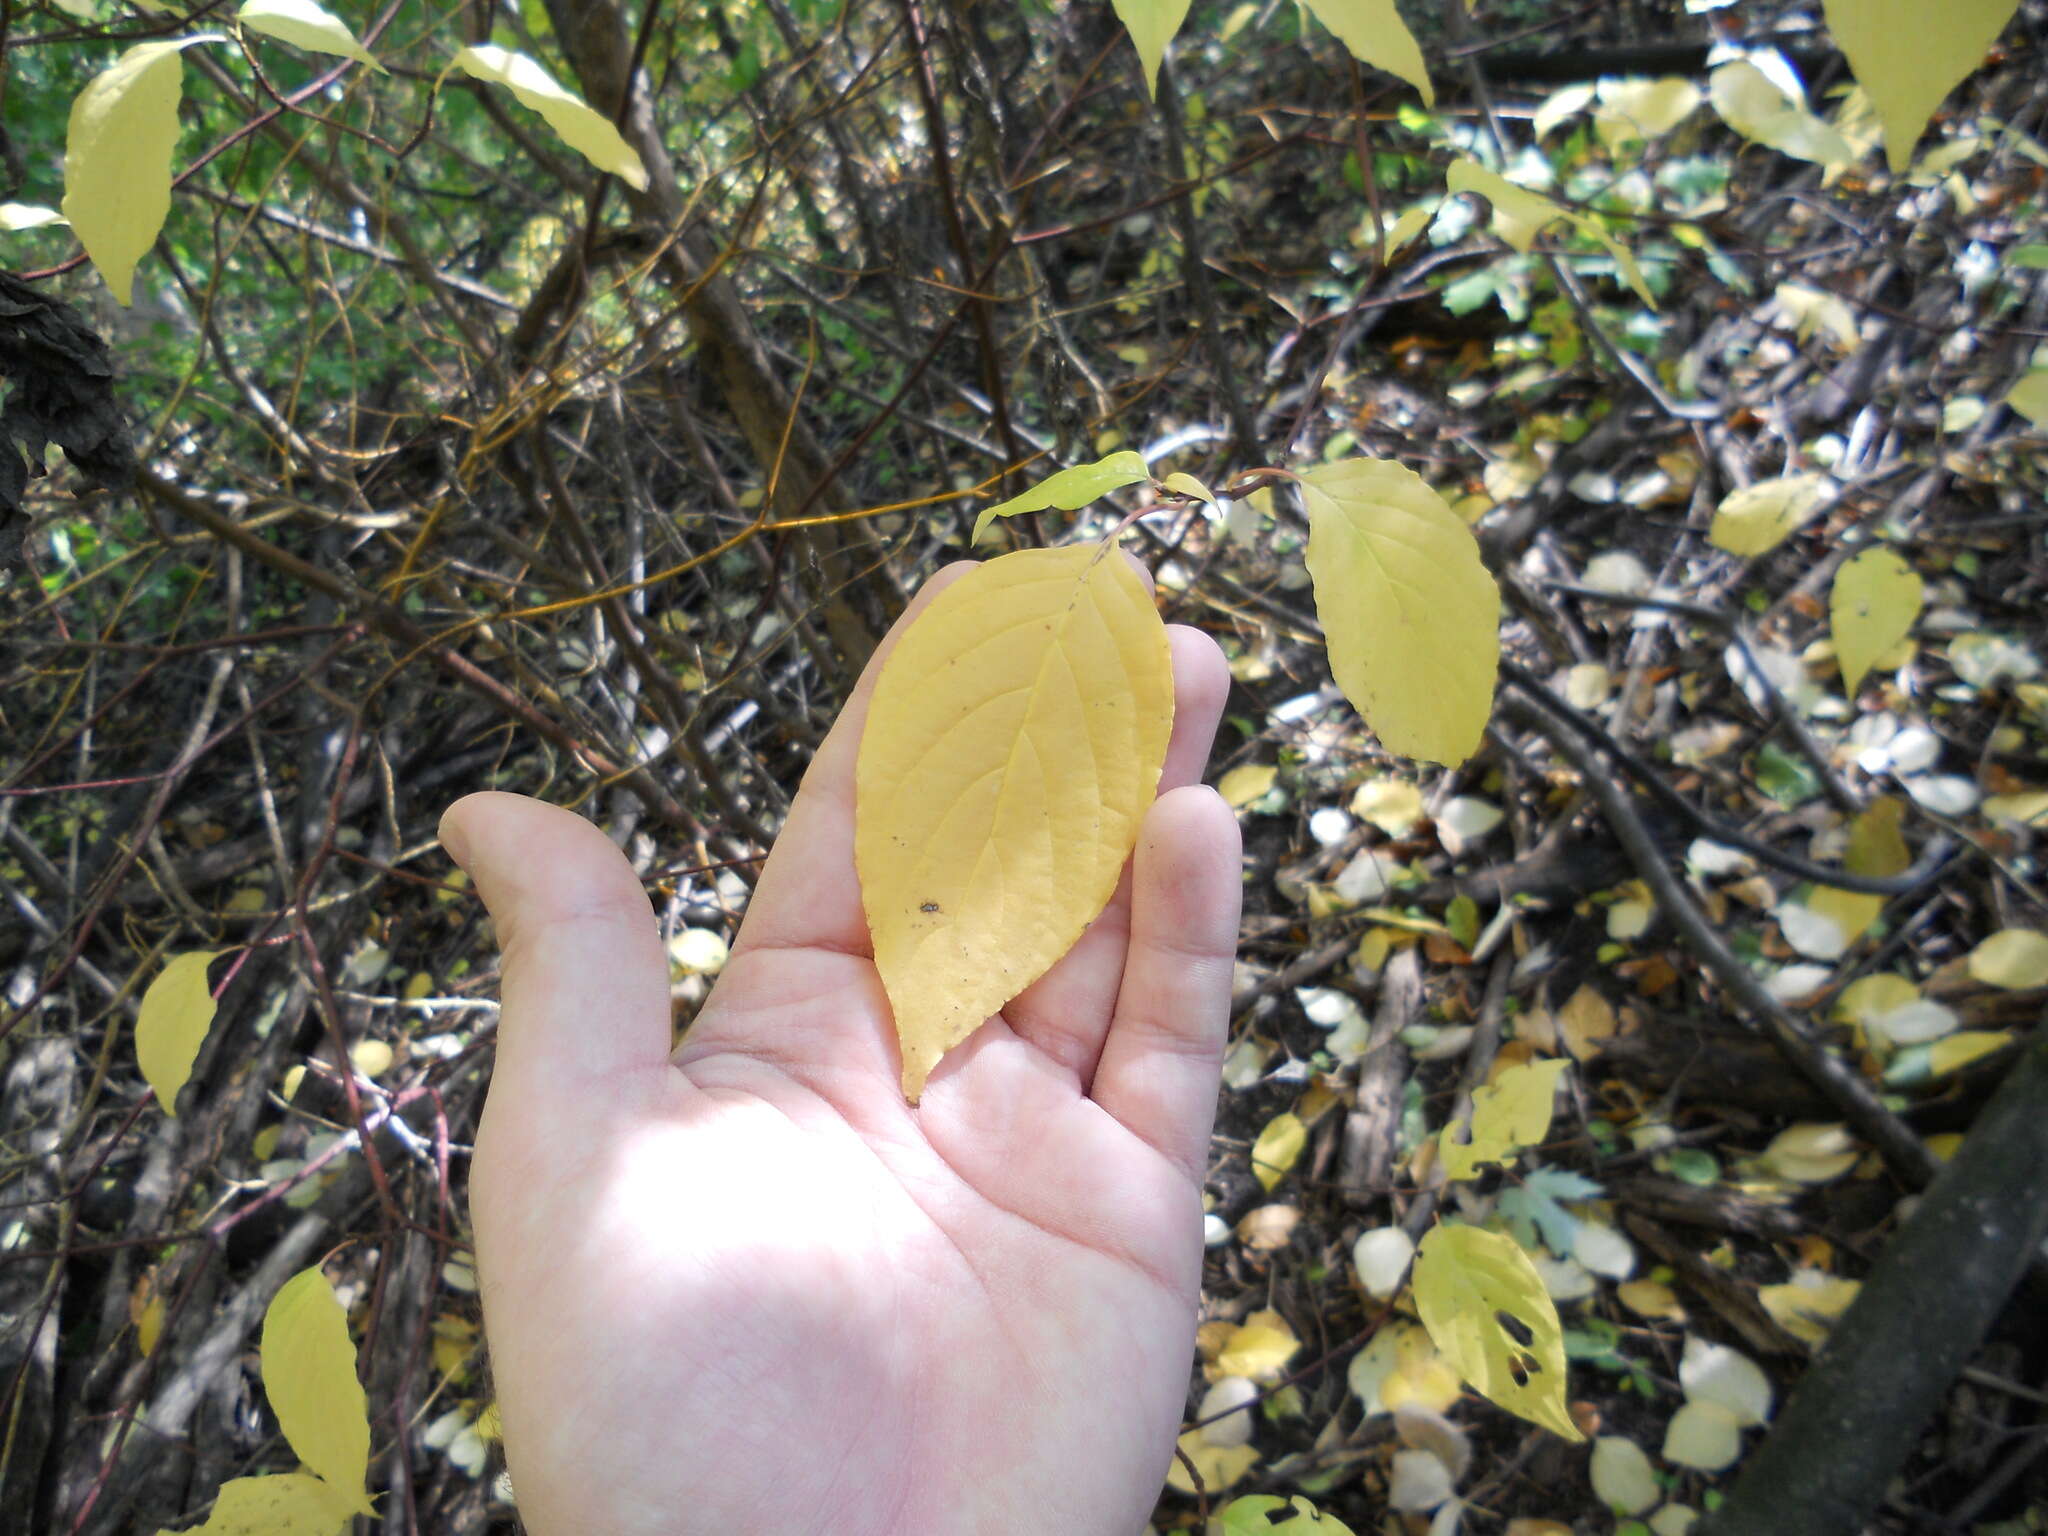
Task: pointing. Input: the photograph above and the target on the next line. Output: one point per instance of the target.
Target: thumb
(584, 982)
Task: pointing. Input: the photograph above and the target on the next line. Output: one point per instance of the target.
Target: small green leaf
(305, 25)
(309, 1375)
(177, 1011)
(1485, 1307)
(1068, 489)
(1786, 778)
(583, 129)
(1265, 1514)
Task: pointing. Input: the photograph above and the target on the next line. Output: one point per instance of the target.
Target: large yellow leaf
(588, 132)
(1758, 518)
(286, 1504)
(177, 1011)
(1875, 600)
(1508, 1114)
(282, 1504)
(2014, 958)
(305, 25)
(1909, 54)
(117, 157)
(1410, 613)
(1068, 489)
(1465, 1279)
(1376, 35)
(1013, 744)
(1151, 24)
(309, 1375)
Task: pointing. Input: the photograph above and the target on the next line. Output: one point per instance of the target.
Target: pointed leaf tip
(1013, 744)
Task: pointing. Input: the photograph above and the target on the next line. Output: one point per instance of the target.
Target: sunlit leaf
(1013, 744)
(305, 25)
(1654, 107)
(1909, 54)
(1278, 1148)
(1068, 489)
(176, 1013)
(1246, 783)
(2030, 396)
(1187, 485)
(117, 157)
(590, 133)
(1151, 24)
(1875, 600)
(1508, 1114)
(2016, 959)
(309, 1376)
(14, 216)
(1376, 35)
(1409, 611)
(1704, 1436)
(1258, 1348)
(284, 1504)
(1219, 1466)
(1760, 517)
(1959, 1050)
(1716, 1373)
(1466, 1279)
(1751, 103)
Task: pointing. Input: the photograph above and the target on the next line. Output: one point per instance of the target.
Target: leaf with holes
(1013, 744)
(1485, 1306)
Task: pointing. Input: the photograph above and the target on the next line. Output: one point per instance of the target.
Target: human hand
(746, 1287)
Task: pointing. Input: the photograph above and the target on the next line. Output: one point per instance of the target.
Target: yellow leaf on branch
(1909, 54)
(307, 25)
(1409, 611)
(590, 133)
(283, 1504)
(1013, 745)
(1151, 24)
(117, 157)
(309, 1375)
(177, 1011)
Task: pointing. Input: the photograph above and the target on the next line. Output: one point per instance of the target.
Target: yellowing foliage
(309, 1375)
(1376, 35)
(1151, 24)
(1909, 54)
(1013, 743)
(283, 1504)
(1876, 598)
(305, 25)
(1410, 614)
(117, 157)
(1509, 1113)
(1758, 518)
(176, 1013)
(589, 133)
(1465, 1278)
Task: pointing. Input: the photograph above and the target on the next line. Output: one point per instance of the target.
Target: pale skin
(744, 1287)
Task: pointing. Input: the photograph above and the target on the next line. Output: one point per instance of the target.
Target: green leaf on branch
(1069, 489)
(1409, 611)
(583, 129)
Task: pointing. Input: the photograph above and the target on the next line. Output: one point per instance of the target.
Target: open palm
(746, 1288)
